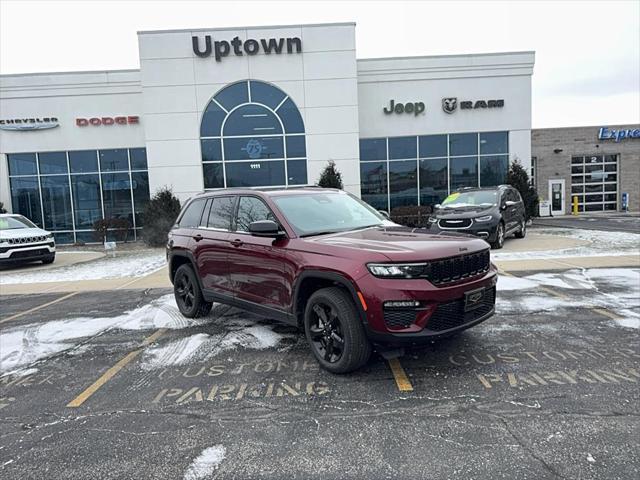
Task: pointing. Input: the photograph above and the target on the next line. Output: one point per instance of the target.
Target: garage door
(594, 180)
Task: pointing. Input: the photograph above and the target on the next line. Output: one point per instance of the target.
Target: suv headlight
(433, 219)
(398, 270)
(486, 218)
(49, 235)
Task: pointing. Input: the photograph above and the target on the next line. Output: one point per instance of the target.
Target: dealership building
(256, 107)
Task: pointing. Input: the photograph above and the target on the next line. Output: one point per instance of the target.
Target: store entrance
(556, 196)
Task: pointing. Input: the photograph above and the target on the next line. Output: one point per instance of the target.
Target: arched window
(252, 135)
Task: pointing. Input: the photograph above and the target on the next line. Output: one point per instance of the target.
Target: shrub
(100, 228)
(119, 226)
(518, 179)
(330, 177)
(2, 209)
(158, 216)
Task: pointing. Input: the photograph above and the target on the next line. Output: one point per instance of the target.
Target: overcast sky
(587, 68)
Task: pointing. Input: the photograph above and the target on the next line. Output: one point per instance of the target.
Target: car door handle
(237, 242)
(198, 237)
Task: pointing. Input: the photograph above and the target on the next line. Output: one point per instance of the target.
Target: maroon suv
(329, 263)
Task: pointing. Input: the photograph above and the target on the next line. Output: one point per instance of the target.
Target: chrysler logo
(25, 124)
(449, 104)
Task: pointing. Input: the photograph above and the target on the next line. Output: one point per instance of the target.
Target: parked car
(22, 241)
(325, 261)
(489, 213)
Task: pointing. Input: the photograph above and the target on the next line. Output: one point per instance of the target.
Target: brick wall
(584, 141)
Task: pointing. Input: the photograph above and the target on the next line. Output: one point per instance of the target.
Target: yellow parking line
(109, 374)
(402, 381)
(606, 313)
(31, 310)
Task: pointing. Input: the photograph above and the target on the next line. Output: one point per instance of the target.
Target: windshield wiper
(326, 232)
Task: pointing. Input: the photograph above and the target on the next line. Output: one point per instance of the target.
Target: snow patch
(206, 463)
(175, 353)
(127, 264)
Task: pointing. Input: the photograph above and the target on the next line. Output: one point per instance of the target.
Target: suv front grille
(454, 222)
(457, 268)
(23, 240)
(452, 314)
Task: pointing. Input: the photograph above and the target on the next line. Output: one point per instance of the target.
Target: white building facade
(256, 107)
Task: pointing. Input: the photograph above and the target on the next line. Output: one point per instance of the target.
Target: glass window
(577, 160)
(52, 162)
(213, 176)
(463, 144)
(86, 199)
(297, 172)
(191, 216)
(56, 202)
(221, 212)
(83, 161)
(63, 237)
(211, 150)
(111, 160)
(253, 148)
(434, 179)
(373, 149)
(464, 172)
(403, 183)
(138, 158)
(593, 188)
(22, 164)
(255, 174)
(233, 95)
(140, 187)
(116, 194)
(211, 125)
(433, 146)
(494, 142)
(402, 147)
(86, 237)
(290, 116)
(266, 94)
(610, 158)
(493, 170)
(252, 120)
(296, 146)
(25, 198)
(252, 209)
(373, 179)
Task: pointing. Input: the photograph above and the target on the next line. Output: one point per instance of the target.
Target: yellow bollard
(575, 205)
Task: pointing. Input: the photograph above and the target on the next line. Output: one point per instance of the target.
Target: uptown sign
(250, 46)
(606, 133)
(26, 124)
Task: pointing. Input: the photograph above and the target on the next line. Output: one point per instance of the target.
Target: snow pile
(600, 243)
(206, 463)
(126, 264)
(26, 344)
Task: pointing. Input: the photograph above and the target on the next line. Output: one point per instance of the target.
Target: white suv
(22, 241)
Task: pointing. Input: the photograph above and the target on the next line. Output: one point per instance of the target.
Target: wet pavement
(547, 388)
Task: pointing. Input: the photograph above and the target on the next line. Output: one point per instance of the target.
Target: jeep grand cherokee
(325, 261)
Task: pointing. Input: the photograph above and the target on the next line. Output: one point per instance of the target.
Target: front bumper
(487, 231)
(441, 311)
(26, 252)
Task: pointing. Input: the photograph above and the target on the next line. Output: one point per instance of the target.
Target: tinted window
(253, 148)
(402, 147)
(254, 174)
(297, 172)
(83, 161)
(295, 146)
(233, 95)
(116, 159)
(463, 144)
(290, 116)
(266, 94)
(464, 172)
(433, 146)
(252, 120)
(373, 181)
(213, 176)
(56, 201)
(140, 187)
(373, 149)
(22, 164)
(138, 158)
(25, 198)
(493, 170)
(494, 142)
(252, 209)
(221, 212)
(403, 183)
(212, 121)
(191, 216)
(116, 193)
(211, 150)
(52, 162)
(86, 199)
(433, 181)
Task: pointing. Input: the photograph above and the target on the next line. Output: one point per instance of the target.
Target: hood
(469, 211)
(22, 233)
(404, 244)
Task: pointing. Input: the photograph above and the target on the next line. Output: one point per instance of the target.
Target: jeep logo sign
(416, 108)
(250, 46)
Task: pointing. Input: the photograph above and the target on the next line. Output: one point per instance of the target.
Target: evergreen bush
(158, 216)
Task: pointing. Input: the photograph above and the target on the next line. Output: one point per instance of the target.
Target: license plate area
(473, 299)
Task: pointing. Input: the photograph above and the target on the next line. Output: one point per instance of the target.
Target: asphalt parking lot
(620, 222)
(117, 384)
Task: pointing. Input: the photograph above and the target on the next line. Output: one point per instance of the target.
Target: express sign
(606, 133)
(97, 121)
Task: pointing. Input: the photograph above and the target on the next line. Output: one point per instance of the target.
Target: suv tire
(189, 298)
(334, 331)
(499, 237)
(523, 230)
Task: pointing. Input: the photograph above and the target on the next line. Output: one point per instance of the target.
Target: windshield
(315, 214)
(471, 199)
(14, 223)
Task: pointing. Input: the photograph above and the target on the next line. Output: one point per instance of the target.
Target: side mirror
(385, 214)
(437, 205)
(265, 228)
(509, 203)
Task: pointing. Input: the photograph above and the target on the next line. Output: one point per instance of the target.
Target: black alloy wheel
(188, 295)
(334, 331)
(523, 230)
(499, 237)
